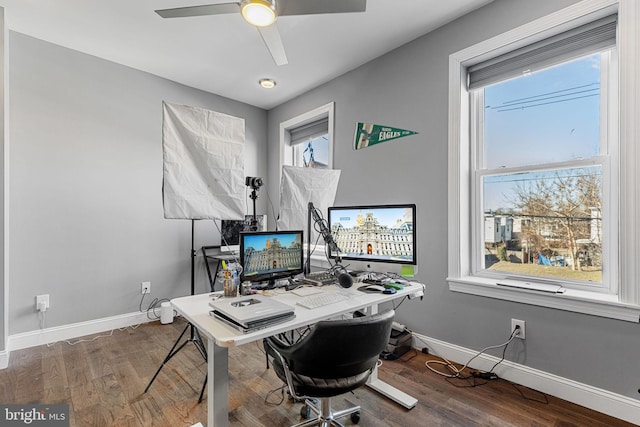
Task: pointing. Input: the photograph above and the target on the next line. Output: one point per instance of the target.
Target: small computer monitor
(266, 256)
(375, 233)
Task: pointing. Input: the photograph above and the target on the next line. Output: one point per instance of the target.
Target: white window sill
(592, 303)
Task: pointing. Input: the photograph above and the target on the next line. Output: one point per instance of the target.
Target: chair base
(325, 416)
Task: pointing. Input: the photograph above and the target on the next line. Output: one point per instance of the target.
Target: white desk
(221, 336)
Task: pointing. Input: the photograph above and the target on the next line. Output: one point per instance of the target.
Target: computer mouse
(375, 288)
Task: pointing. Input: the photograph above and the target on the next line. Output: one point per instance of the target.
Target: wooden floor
(103, 383)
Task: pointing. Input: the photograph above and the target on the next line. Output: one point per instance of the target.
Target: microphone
(344, 279)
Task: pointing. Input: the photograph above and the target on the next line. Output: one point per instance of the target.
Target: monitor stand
(270, 284)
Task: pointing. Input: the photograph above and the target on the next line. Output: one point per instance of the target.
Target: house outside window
(541, 148)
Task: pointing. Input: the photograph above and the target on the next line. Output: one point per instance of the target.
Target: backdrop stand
(194, 334)
(197, 185)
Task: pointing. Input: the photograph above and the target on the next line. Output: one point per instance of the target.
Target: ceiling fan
(263, 13)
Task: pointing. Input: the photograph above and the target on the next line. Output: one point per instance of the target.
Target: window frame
(461, 274)
(608, 156)
(287, 151)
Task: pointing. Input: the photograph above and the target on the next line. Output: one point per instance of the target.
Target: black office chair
(335, 357)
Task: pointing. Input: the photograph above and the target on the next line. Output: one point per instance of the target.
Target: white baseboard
(606, 402)
(600, 400)
(74, 330)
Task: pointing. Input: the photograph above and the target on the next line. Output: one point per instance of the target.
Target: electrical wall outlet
(145, 288)
(520, 323)
(42, 302)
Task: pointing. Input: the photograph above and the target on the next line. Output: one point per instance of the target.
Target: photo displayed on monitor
(379, 233)
(270, 255)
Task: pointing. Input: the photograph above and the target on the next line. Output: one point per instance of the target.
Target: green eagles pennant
(370, 134)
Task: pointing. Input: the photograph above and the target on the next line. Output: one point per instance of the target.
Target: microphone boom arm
(324, 231)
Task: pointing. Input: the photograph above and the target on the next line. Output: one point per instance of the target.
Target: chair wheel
(305, 412)
(355, 417)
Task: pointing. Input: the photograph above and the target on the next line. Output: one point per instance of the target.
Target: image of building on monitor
(376, 233)
(271, 253)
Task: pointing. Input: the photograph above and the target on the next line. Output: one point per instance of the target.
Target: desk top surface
(196, 310)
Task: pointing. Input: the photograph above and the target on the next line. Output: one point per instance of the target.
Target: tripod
(194, 334)
(255, 184)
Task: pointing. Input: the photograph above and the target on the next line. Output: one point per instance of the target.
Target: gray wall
(86, 217)
(408, 88)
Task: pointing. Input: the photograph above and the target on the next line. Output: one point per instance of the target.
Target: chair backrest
(340, 348)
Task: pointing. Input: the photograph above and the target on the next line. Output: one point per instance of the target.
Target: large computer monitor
(270, 255)
(376, 233)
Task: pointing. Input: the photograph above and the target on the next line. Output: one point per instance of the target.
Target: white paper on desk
(203, 171)
(301, 186)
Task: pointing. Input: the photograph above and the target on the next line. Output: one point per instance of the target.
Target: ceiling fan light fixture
(260, 13)
(267, 83)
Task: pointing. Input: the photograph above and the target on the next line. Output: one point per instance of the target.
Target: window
(313, 153)
(306, 140)
(539, 183)
(544, 150)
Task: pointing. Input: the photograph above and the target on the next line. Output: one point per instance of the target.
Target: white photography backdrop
(203, 155)
(299, 187)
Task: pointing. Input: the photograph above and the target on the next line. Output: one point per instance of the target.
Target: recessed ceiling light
(260, 13)
(267, 83)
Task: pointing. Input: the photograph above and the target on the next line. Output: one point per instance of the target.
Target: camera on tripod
(254, 182)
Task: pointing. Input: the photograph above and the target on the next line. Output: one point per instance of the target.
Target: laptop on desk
(252, 312)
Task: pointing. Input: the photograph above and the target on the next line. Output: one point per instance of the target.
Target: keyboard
(319, 278)
(322, 299)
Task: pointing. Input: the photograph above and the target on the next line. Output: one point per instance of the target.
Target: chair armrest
(275, 347)
(280, 346)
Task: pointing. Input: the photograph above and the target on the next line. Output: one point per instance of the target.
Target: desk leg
(218, 385)
(385, 389)
(390, 392)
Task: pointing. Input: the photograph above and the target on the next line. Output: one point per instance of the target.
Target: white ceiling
(224, 55)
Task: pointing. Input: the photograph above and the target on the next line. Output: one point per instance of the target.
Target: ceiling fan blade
(311, 7)
(271, 37)
(207, 9)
